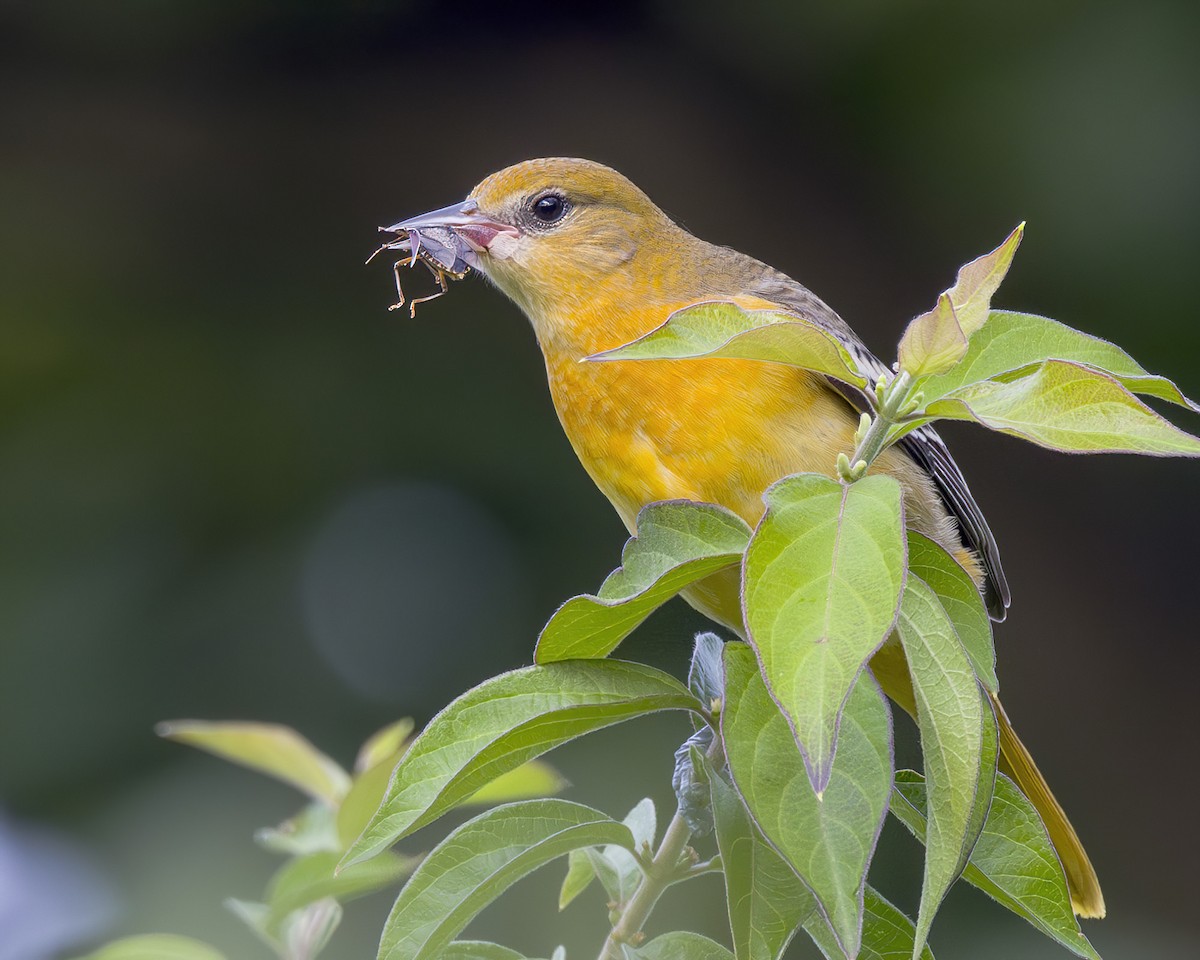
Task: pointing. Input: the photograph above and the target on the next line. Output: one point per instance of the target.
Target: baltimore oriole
(594, 264)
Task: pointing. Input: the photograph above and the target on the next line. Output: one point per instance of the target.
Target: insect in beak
(447, 242)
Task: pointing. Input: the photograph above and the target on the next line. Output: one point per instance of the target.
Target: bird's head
(553, 234)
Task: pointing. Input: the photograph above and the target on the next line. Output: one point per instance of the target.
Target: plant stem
(662, 872)
(892, 402)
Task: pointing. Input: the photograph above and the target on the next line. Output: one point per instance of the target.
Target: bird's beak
(461, 221)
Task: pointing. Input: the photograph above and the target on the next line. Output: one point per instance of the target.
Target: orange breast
(715, 430)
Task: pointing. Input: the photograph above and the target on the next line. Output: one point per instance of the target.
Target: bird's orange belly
(720, 431)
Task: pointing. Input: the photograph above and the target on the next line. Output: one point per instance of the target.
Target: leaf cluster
(301, 907)
(847, 612)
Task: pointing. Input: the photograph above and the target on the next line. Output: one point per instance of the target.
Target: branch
(662, 871)
(894, 404)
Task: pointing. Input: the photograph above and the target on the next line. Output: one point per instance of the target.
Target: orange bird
(594, 264)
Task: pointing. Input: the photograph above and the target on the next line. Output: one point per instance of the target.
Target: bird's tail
(1015, 761)
(891, 670)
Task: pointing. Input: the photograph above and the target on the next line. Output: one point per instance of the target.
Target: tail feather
(1015, 761)
(891, 670)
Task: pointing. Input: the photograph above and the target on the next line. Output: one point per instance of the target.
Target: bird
(594, 263)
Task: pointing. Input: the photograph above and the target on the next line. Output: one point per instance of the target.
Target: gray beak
(456, 215)
(453, 236)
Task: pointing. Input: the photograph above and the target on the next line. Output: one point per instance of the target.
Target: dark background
(233, 486)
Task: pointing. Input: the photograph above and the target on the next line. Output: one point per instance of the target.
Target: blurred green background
(233, 486)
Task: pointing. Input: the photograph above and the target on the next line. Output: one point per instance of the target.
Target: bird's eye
(549, 208)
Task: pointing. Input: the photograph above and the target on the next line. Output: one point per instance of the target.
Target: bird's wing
(923, 445)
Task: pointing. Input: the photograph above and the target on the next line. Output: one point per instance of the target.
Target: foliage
(791, 766)
(301, 907)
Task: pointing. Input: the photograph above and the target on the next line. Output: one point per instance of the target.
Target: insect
(436, 248)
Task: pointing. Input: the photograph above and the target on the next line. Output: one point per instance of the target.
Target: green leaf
(478, 862)
(360, 804)
(607, 873)
(720, 328)
(503, 723)
(533, 779)
(377, 759)
(1067, 406)
(823, 576)
(960, 599)
(156, 946)
(681, 945)
(305, 933)
(828, 841)
(1013, 861)
(269, 748)
(642, 823)
(478, 950)
(887, 933)
(257, 917)
(579, 877)
(311, 830)
(978, 281)
(302, 933)
(384, 746)
(305, 880)
(766, 900)
(678, 542)
(933, 342)
(1012, 341)
(959, 741)
(614, 866)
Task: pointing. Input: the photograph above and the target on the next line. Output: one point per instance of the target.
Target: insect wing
(443, 249)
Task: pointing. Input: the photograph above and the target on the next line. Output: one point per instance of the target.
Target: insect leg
(441, 279)
(399, 289)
